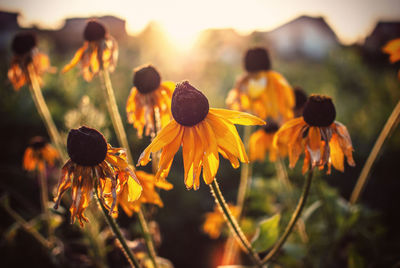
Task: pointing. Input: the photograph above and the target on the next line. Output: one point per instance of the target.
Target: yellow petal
(134, 189)
(77, 57)
(236, 117)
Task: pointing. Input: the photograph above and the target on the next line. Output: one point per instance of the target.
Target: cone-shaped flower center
(257, 59)
(319, 111)
(23, 43)
(37, 142)
(189, 106)
(86, 146)
(146, 79)
(301, 97)
(94, 31)
(271, 127)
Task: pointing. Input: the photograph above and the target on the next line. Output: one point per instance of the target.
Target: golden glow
(182, 19)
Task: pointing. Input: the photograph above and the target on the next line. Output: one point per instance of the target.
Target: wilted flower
(39, 154)
(318, 135)
(215, 221)
(99, 51)
(261, 91)
(261, 142)
(94, 164)
(150, 98)
(149, 194)
(203, 132)
(26, 56)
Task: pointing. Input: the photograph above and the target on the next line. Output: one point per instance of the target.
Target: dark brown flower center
(94, 31)
(189, 106)
(271, 126)
(23, 43)
(319, 111)
(257, 59)
(300, 96)
(37, 142)
(146, 79)
(86, 146)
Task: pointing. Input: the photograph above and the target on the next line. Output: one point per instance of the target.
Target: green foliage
(267, 233)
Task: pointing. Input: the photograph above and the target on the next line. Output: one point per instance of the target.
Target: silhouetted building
(8, 27)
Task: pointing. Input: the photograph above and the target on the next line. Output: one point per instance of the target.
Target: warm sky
(352, 20)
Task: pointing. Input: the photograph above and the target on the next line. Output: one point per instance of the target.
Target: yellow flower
(261, 142)
(99, 51)
(261, 91)
(215, 221)
(149, 194)
(92, 165)
(323, 140)
(26, 54)
(393, 49)
(203, 132)
(39, 154)
(149, 98)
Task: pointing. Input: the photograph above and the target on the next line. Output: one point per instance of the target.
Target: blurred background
(331, 48)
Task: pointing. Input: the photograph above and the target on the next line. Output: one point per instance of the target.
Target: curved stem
(362, 180)
(123, 140)
(114, 113)
(44, 112)
(232, 223)
(44, 199)
(293, 220)
(114, 227)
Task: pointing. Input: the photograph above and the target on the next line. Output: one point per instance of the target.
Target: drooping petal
(77, 57)
(236, 117)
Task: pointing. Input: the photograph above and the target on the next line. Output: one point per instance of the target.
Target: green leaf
(266, 234)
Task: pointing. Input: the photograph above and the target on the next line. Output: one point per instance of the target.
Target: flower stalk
(44, 112)
(295, 216)
(123, 140)
(232, 223)
(391, 123)
(114, 227)
(44, 199)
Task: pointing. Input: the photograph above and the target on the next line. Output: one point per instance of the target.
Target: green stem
(147, 237)
(114, 227)
(26, 226)
(362, 180)
(293, 220)
(232, 223)
(114, 113)
(44, 112)
(123, 140)
(44, 198)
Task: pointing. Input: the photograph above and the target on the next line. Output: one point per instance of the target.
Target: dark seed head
(319, 111)
(23, 43)
(86, 146)
(300, 96)
(271, 126)
(189, 106)
(37, 142)
(257, 59)
(94, 31)
(146, 79)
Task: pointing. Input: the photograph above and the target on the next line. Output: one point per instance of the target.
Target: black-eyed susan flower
(92, 165)
(149, 194)
(261, 91)
(99, 51)
(38, 154)
(203, 132)
(149, 99)
(261, 142)
(26, 55)
(323, 140)
(215, 221)
(393, 49)
(301, 99)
